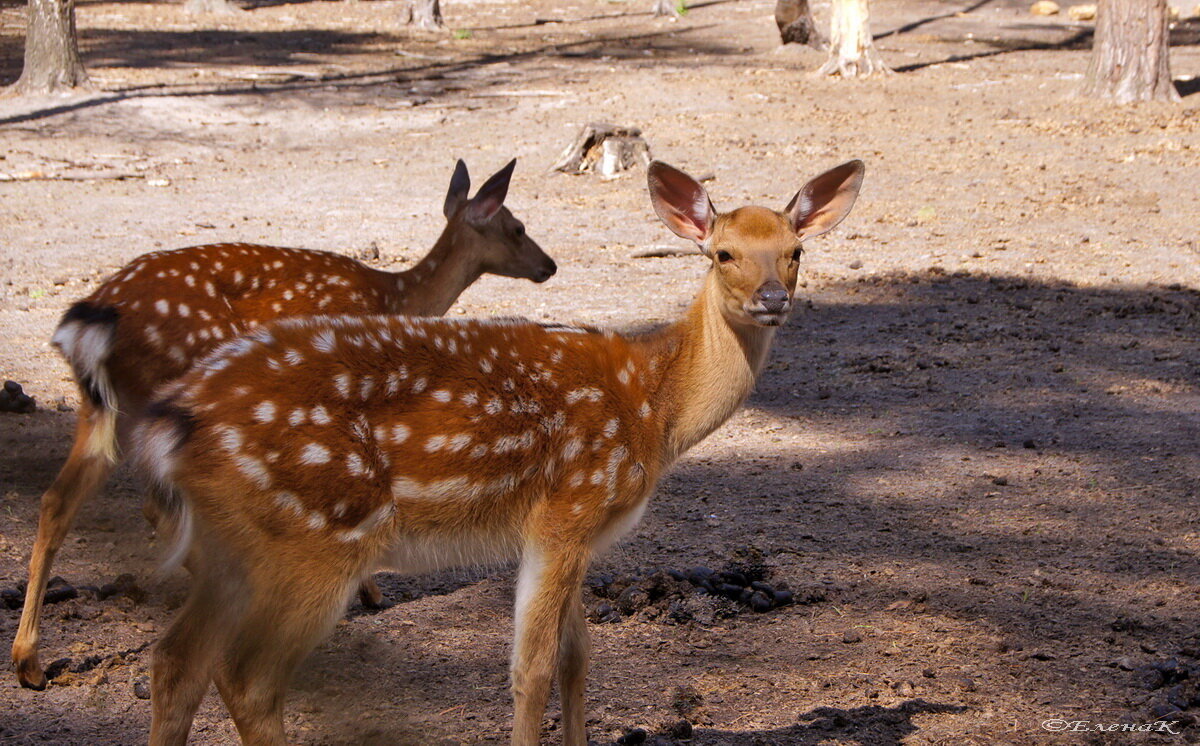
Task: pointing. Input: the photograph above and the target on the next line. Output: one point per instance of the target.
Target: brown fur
(420, 443)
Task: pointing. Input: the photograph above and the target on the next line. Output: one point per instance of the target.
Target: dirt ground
(972, 457)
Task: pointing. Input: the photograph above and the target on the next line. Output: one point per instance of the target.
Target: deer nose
(546, 271)
(773, 296)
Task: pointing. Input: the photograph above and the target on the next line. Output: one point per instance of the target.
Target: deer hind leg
(288, 616)
(573, 651)
(369, 593)
(184, 656)
(547, 591)
(84, 473)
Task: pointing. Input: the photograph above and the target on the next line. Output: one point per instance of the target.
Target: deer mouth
(769, 318)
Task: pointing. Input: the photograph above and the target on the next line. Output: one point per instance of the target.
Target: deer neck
(431, 286)
(709, 365)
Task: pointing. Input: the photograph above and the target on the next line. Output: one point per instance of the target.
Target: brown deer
(149, 322)
(313, 451)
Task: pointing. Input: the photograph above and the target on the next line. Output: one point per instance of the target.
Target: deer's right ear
(681, 202)
(460, 187)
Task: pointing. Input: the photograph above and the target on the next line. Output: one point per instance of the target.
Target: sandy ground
(974, 449)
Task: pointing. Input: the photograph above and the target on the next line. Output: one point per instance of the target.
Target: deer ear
(825, 200)
(490, 197)
(460, 187)
(681, 202)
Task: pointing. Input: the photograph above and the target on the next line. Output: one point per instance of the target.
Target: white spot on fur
(610, 427)
(572, 449)
(324, 340)
(314, 453)
(320, 415)
(400, 433)
(590, 393)
(265, 411)
(255, 469)
(289, 502)
(342, 382)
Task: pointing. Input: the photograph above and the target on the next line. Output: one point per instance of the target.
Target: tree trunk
(214, 7)
(52, 61)
(852, 52)
(1130, 53)
(665, 8)
(426, 14)
(796, 26)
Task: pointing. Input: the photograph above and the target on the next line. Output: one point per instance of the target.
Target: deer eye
(724, 256)
(796, 254)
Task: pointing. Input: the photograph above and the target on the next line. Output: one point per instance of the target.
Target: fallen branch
(655, 252)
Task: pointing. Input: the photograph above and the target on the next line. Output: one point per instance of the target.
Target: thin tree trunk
(852, 52)
(796, 25)
(665, 8)
(1130, 55)
(52, 61)
(426, 14)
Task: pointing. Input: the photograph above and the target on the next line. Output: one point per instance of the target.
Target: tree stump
(665, 9)
(424, 14)
(605, 149)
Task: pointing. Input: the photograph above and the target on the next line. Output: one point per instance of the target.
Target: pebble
(851, 636)
(125, 585)
(58, 590)
(633, 737)
(1165, 711)
(12, 598)
(141, 688)
(681, 730)
(13, 399)
(760, 602)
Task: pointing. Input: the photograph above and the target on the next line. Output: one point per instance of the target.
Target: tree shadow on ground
(275, 49)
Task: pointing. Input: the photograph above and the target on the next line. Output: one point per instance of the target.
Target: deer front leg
(547, 591)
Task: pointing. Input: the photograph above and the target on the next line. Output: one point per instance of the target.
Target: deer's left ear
(823, 202)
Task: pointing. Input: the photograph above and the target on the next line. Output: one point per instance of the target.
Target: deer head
(755, 251)
(495, 236)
